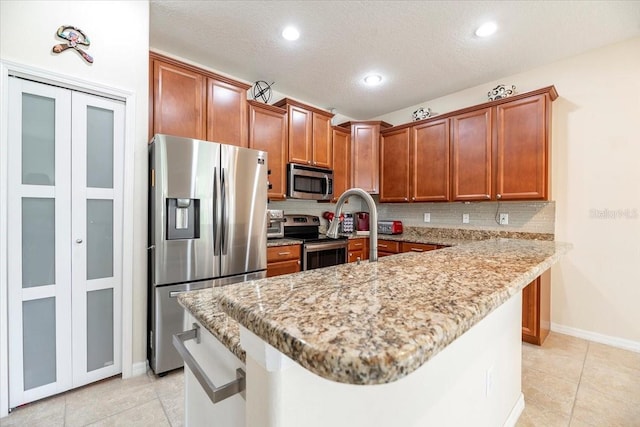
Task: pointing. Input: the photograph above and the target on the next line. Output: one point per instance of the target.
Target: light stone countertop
(283, 242)
(374, 323)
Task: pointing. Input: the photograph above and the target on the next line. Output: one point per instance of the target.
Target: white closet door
(65, 195)
(96, 205)
(39, 218)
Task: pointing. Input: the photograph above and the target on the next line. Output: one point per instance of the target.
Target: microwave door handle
(326, 180)
(216, 214)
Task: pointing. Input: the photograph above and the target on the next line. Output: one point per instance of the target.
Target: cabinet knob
(308, 162)
(78, 241)
(499, 196)
(486, 196)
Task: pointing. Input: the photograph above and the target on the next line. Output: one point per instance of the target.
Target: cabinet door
(417, 247)
(521, 149)
(471, 155)
(283, 267)
(226, 113)
(321, 145)
(341, 161)
(530, 311)
(364, 152)
(430, 162)
(394, 166)
(179, 101)
(268, 132)
(300, 135)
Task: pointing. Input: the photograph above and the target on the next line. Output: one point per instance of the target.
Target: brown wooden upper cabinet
(494, 151)
(395, 164)
(365, 140)
(194, 103)
(268, 132)
(471, 155)
(309, 134)
(341, 161)
(414, 163)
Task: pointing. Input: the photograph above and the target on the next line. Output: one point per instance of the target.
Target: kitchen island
(414, 339)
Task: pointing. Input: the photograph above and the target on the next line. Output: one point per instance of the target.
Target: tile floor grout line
(575, 398)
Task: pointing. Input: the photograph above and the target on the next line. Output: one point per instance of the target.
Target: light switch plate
(465, 218)
(427, 217)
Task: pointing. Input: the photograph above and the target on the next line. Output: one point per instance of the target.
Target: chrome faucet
(373, 219)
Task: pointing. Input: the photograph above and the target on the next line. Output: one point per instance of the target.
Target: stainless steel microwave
(306, 182)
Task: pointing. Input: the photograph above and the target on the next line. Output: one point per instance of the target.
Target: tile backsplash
(533, 217)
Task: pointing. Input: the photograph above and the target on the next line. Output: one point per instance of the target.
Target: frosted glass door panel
(99, 329)
(99, 148)
(99, 239)
(39, 342)
(38, 139)
(38, 242)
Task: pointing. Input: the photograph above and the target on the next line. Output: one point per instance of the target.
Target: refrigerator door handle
(216, 214)
(225, 214)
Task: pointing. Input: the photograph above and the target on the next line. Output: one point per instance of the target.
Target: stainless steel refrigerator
(207, 227)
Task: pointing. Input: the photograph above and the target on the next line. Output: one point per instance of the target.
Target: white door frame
(44, 76)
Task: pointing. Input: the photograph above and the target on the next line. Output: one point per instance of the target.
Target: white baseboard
(622, 343)
(515, 413)
(139, 368)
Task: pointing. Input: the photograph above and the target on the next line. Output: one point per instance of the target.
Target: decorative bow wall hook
(74, 37)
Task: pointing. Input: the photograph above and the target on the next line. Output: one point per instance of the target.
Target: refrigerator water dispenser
(182, 219)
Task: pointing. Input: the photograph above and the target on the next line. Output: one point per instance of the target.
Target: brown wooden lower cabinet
(283, 260)
(358, 249)
(388, 247)
(536, 309)
(417, 247)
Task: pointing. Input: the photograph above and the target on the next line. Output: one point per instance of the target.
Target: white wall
(119, 34)
(595, 173)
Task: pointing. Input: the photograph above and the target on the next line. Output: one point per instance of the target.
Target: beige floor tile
(616, 381)
(107, 398)
(170, 391)
(560, 356)
(553, 393)
(595, 408)
(45, 412)
(603, 354)
(539, 416)
(149, 414)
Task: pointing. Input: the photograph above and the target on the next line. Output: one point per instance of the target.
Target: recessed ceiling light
(486, 29)
(372, 79)
(291, 33)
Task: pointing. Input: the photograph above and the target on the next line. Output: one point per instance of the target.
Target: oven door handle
(317, 247)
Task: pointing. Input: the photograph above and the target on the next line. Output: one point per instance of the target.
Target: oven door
(323, 254)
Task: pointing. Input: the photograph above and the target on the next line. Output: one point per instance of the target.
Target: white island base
(476, 380)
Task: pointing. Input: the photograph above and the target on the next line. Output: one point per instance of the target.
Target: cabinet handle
(417, 250)
(284, 253)
(381, 245)
(216, 394)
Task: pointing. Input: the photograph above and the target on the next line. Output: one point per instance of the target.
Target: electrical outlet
(427, 217)
(489, 382)
(465, 218)
(504, 219)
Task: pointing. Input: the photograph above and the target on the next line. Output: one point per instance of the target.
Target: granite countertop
(283, 242)
(374, 323)
(204, 306)
(455, 236)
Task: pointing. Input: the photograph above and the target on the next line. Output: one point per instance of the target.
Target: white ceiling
(425, 49)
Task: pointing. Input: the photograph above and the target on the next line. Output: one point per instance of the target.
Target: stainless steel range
(317, 249)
